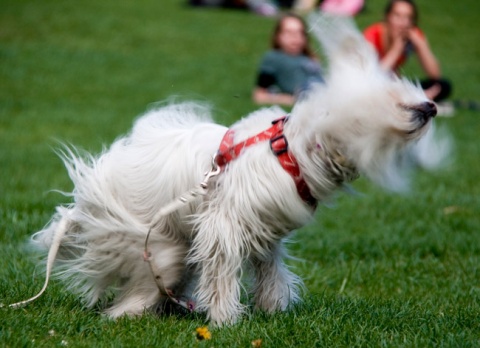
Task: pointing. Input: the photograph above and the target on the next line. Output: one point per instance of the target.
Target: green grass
(380, 269)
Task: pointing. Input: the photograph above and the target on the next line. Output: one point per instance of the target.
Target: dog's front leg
(219, 260)
(275, 286)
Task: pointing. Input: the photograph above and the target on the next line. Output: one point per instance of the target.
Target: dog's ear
(342, 42)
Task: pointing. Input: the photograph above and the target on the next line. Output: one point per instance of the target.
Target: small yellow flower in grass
(203, 333)
(451, 209)
(257, 343)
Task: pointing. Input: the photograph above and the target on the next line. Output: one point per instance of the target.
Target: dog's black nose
(426, 110)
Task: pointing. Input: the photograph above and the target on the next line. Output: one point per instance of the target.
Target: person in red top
(397, 37)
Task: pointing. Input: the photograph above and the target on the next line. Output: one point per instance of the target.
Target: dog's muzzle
(425, 111)
(422, 113)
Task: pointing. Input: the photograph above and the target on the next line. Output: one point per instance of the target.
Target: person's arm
(389, 60)
(425, 55)
(263, 96)
(375, 35)
(261, 93)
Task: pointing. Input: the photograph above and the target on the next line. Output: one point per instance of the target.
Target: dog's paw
(224, 316)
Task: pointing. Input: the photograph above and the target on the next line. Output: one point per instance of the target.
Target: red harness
(279, 145)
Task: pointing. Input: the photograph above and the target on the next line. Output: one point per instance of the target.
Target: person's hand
(398, 40)
(433, 91)
(415, 38)
(398, 43)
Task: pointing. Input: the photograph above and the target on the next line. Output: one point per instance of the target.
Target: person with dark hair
(397, 37)
(290, 67)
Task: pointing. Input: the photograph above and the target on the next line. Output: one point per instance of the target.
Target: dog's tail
(58, 234)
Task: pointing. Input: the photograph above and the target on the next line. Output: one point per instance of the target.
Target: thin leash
(52, 254)
(184, 199)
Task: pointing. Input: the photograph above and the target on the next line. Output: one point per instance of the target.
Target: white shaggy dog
(361, 121)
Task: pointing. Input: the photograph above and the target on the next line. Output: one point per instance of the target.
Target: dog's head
(371, 117)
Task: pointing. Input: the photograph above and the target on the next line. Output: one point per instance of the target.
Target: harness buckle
(279, 145)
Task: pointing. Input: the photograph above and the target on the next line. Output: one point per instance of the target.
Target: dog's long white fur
(353, 123)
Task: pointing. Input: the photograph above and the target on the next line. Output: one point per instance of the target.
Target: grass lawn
(380, 269)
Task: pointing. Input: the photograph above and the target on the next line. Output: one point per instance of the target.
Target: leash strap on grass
(52, 254)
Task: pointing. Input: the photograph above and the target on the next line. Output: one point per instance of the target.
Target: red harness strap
(279, 145)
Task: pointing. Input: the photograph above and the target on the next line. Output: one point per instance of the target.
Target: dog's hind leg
(275, 286)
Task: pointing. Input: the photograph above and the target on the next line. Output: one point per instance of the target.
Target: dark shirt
(281, 72)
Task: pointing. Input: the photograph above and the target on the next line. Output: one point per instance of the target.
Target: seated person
(290, 67)
(397, 37)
